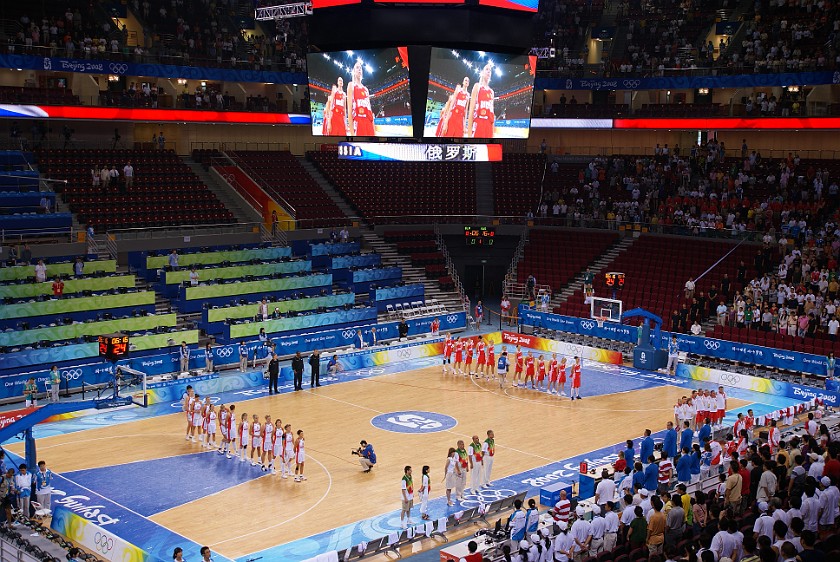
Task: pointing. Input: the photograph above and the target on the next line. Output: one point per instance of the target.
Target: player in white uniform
(300, 457)
(256, 438)
(267, 445)
(230, 428)
(244, 436)
(187, 406)
(721, 407)
(205, 419)
(223, 427)
(288, 451)
(278, 445)
(211, 426)
(196, 417)
(425, 490)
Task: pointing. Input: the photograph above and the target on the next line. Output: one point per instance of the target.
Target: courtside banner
(757, 384)
(563, 348)
(698, 345)
(10, 417)
(96, 539)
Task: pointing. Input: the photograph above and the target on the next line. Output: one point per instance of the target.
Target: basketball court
(410, 412)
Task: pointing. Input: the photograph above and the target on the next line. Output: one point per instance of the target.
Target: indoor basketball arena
(455, 280)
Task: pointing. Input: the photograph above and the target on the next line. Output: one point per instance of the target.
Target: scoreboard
(479, 235)
(113, 346)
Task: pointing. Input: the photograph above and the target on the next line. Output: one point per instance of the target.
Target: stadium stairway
(598, 267)
(411, 274)
(240, 208)
(484, 196)
(328, 188)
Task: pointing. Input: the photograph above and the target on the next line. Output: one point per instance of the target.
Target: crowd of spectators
(704, 190)
(216, 34)
(564, 25)
(787, 37)
(796, 289)
(74, 32)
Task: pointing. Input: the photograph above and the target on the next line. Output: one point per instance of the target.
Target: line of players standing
(459, 354)
(271, 442)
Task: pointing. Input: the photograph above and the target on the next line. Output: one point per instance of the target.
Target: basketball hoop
(600, 320)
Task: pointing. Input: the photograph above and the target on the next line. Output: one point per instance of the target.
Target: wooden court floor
(532, 429)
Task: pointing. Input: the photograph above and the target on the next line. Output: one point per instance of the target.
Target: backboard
(609, 309)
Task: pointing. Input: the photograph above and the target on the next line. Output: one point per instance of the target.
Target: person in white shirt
(723, 544)
(605, 491)
(598, 528)
(581, 531)
(696, 328)
(564, 544)
(829, 504)
(611, 527)
(811, 426)
(833, 326)
(810, 509)
(721, 314)
(764, 523)
(817, 466)
(689, 288)
(193, 277)
(128, 173)
(40, 272)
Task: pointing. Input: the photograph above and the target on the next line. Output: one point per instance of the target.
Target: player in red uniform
(575, 393)
(553, 371)
(520, 363)
(469, 357)
(335, 118)
(455, 111)
(541, 373)
(459, 355)
(448, 348)
(490, 351)
(360, 113)
(480, 358)
(561, 377)
(530, 365)
(481, 116)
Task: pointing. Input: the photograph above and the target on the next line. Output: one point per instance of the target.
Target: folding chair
(391, 312)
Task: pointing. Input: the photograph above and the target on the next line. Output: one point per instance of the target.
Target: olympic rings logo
(587, 324)
(486, 496)
(224, 352)
(730, 378)
(118, 68)
(632, 83)
(451, 318)
(103, 543)
(71, 374)
(348, 334)
(711, 345)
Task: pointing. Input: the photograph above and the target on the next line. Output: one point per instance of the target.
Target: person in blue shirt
(243, 357)
(687, 436)
(43, 485)
(532, 517)
(517, 522)
(705, 461)
(829, 366)
(332, 366)
(79, 267)
(684, 467)
(629, 453)
(367, 457)
(695, 463)
(646, 448)
(669, 444)
(173, 260)
(705, 433)
(651, 475)
(638, 476)
(184, 355)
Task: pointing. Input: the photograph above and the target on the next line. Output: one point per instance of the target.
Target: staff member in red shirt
(58, 287)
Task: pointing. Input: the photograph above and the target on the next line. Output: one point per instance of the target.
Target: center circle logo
(413, 421)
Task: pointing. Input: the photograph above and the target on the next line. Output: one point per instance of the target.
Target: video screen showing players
(360, 93)
(473, 94)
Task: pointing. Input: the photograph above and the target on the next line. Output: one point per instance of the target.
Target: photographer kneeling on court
(367, 458)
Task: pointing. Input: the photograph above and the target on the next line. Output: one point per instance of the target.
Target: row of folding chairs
(414, 309)
(392, 543)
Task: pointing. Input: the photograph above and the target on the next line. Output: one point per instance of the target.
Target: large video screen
(360, 93)
(479, 95)
(521, 5)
